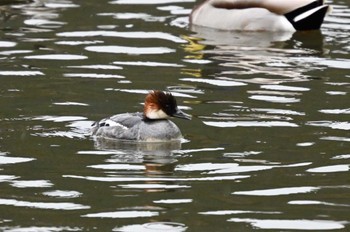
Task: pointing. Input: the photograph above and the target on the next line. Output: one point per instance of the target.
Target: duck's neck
(146, 119)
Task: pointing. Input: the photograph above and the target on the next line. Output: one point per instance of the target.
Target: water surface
(268, 147)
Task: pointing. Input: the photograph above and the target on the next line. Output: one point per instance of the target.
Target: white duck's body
(260, 15)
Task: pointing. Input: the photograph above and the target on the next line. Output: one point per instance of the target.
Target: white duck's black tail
(308, 17)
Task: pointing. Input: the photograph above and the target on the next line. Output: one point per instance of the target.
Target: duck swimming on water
(260, 15)
(152, 125)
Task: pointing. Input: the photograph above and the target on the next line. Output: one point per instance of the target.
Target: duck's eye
(168, 109)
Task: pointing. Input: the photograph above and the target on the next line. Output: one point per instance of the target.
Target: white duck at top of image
(260, 15)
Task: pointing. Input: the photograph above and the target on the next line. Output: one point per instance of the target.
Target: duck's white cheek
(157, 114)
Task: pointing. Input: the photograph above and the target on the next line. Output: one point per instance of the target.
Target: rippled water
(268, 147)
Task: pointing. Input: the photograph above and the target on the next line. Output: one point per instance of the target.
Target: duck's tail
(308, 17)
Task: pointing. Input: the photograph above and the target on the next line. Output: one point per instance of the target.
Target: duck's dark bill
(180, 114)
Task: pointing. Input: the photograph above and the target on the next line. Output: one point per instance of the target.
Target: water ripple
(7, 44)
(122, 214)
(336, 138)
(330, 124)
(129, 15)
(31, 183)
(130, 35)
(75, 43)
(330, 169)
(311, 202)
(214, 81)
(345, 156)
(97, 66)
(335, 111)
(62, 194)
(43, 205)
(274, 99)
(70, 104)
(146, 2)
(230, 212)
(173, 201)
(7, 178)
(59, 118)
(43, 22)
(21, 73)
(4, 159)
(278, 191)
(279, 111)
(93, 75)
(14, 52)
(153, 227)
(154, 179)
(297, 224)
(250, 124)
(153, 186)
(57, 57)
(129, 50)
(61, 4)
(147, 63)
(39, 229)
(118, 167)
(284, 88)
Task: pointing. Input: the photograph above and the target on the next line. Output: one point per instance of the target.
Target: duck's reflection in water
(268, 55)
(157, 157)
(252, 40)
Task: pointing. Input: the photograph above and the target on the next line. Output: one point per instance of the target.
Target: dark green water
(268, 147)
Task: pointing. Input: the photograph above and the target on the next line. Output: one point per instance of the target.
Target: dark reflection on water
(268, 147)
(158, 158)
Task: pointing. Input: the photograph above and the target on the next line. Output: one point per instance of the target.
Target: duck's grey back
(117, 126)
(132, 126)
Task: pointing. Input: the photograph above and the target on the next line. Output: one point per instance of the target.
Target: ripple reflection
(43, 205)
(122, 214)
(153, 226)
(297, 224)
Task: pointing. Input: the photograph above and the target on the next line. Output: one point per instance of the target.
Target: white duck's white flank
(260, 15)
